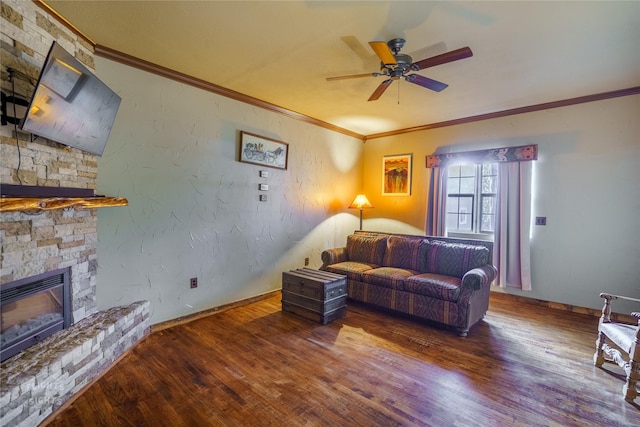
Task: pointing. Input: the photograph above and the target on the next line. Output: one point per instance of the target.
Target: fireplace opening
(33, 309)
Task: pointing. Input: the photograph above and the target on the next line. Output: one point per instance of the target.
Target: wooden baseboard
(617, 317)
(494, 295)
(208, 312)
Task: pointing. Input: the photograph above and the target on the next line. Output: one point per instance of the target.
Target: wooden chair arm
(606, 310)
(612, 297)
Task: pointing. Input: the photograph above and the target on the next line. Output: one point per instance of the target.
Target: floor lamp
(360, 202)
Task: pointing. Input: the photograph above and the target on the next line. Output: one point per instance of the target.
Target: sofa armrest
(478, 277)
(333, 256)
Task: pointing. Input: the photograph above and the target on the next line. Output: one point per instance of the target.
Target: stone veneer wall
(33, 244)
(30, 390)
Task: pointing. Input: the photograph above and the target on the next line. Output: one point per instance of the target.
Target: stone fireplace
(38, 379)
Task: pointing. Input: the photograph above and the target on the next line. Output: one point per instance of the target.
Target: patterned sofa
(441, 279)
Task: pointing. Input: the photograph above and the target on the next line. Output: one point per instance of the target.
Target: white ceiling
(525, 53)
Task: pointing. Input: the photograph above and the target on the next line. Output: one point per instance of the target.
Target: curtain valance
(493, 155)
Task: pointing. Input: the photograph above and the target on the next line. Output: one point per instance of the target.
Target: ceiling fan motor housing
(402, 65)
(403, 62)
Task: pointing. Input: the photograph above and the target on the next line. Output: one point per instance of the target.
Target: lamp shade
(360, 202)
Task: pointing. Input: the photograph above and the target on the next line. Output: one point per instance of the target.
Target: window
(471, 198)
(462, 203)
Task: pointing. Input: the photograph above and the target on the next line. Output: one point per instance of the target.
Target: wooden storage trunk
(315, 295)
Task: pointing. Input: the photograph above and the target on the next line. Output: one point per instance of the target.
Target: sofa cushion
(434, 285)
(387, 277)
(407, 253)
(353, 270)
(454, 259)
(366, 249)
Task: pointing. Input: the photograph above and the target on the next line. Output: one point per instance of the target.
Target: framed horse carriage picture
(262, 151)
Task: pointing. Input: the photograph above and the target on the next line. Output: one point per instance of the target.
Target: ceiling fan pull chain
(398, 92)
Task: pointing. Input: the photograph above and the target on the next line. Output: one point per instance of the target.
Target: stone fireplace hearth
(37, 382)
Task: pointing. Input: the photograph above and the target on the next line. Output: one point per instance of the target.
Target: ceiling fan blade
(352, 76)
(426, 82)
(380, 90)
(384, 53)
(454, 55)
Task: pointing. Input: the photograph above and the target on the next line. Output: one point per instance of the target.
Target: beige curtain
(511, 239)
(436, 215)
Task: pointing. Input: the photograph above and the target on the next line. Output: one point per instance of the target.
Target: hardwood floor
(523, 365)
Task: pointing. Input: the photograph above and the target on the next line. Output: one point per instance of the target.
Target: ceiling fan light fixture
(396, 74)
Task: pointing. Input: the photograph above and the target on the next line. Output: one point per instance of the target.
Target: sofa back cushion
(407, 253)
(367, 249)
(454, 259)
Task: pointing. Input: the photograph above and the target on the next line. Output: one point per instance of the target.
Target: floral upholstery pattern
(406, 253)
(367, 249)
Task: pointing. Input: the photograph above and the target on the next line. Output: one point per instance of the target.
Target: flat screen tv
(70, 105)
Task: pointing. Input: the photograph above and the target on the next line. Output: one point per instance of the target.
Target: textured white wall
(193, 208)
(586, 184)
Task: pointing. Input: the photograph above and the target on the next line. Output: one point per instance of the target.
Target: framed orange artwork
(396, 175)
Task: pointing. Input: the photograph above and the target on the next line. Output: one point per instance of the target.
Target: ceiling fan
(396, 65)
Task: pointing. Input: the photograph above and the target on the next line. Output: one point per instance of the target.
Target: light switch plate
(264, 174)
(263, 187)
(263, 197)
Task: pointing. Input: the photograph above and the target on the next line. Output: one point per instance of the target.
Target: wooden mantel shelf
(39, 204)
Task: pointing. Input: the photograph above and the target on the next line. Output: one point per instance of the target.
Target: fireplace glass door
(31, 310)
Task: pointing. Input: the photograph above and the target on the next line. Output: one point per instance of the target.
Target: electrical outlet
(541, 220)
(263, 197)
(263, 187)
(194, 282)
(306, 261)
